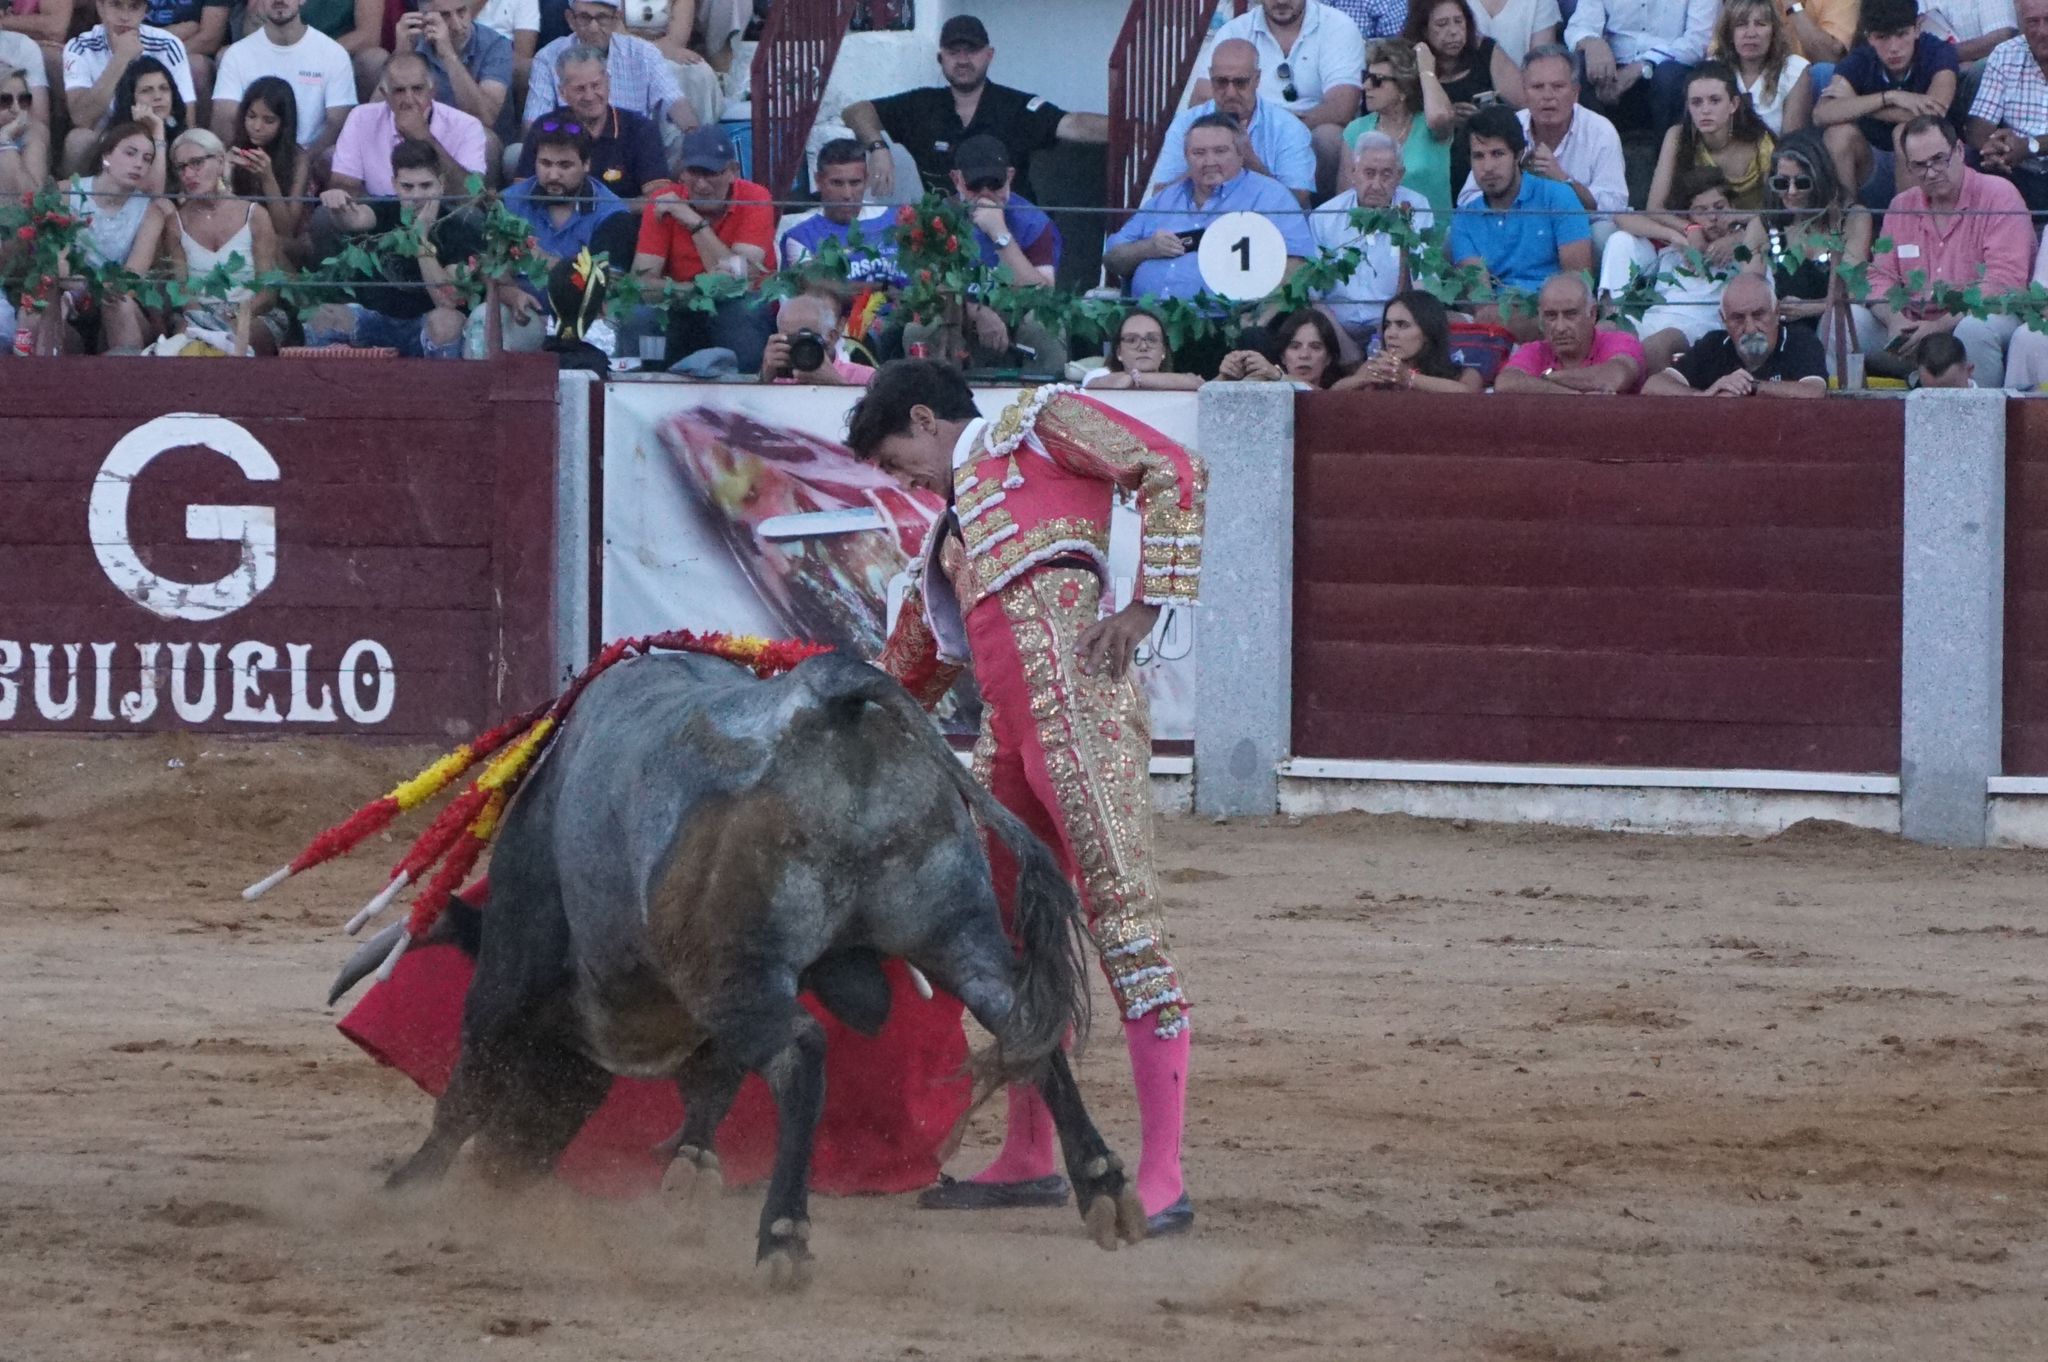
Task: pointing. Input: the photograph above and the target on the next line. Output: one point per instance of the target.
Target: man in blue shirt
(1526, 229)
(567, 208)
(1271, 140)
(1896, 74)
(842, 193)
(1154, 253)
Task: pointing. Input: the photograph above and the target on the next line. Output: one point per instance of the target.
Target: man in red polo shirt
(713, 221)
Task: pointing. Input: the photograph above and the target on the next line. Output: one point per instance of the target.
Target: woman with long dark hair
(1308, 346)
(263, 157)
(1471, 67)
(1415, 350)
(1140, 358)
(1809, 231)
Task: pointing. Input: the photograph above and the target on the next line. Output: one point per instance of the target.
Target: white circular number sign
(1243, 256)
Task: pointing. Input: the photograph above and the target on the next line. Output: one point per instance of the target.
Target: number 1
(1244, 253)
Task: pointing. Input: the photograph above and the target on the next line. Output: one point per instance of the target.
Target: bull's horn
(377, 904)
(918, 981)
(268, 883)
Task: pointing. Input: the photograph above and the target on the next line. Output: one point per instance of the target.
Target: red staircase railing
(799, 42)
(1148, 69)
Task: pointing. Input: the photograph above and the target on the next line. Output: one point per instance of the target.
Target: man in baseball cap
(932, 122)
(711, 222)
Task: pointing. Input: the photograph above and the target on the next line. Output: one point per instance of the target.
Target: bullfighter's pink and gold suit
(1009, 581)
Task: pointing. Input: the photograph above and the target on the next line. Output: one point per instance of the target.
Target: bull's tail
(460, 924)
(1052, 987)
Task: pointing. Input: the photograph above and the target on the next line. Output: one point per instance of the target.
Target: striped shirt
(87, 56)
(643, 82)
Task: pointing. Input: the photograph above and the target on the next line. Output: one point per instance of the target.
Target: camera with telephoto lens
(806, 352)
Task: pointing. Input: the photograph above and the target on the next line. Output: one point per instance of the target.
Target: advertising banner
(318, 550)
(717, 515)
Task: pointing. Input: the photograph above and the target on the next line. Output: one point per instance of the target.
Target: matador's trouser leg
(1070, 754)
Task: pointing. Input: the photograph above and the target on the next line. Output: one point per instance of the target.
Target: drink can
(919, 350)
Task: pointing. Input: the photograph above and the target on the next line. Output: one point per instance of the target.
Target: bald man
(1576, 355)
(1271, 140)
(1752, 355)
(806, 328)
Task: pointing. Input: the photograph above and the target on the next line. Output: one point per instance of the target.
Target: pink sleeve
(1529, 358)
(2008, 243)
(1613, 344)
(467, 146)
(348, 148)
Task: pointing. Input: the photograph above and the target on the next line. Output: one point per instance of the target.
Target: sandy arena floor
(1461, 1092)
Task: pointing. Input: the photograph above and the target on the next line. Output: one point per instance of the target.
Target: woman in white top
(209, 230)
(120, 229)
(1751, 37)
(1517, 25)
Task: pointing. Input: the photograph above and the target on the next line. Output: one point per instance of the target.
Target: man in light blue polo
(1524, 228)
(1154, 253)
(1272, 141)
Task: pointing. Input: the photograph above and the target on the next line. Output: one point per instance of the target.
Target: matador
(1012, 580)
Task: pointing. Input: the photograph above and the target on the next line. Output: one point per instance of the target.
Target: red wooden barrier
(359, 547)
(2026, 589)
(799, 42)
(1628, 581)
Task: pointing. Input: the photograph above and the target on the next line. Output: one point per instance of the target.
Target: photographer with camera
(805, 346)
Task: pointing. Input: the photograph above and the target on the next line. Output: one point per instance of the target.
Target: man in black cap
(1010, 232)
(931, 123)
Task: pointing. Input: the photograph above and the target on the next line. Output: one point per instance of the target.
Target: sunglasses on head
(562, 125)
(1798, 184)
(25, 100)
(1287, 91)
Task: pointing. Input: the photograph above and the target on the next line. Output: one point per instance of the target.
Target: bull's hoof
(1131, 1222)
(700, 1172)
(1102, 1217)
(784, 1262)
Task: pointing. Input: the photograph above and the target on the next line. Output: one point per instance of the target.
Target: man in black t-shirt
(408, 305)
(932, 122)
(1753, 355)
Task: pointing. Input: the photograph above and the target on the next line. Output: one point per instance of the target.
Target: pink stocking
(1159, 1070)
(1029, 1144)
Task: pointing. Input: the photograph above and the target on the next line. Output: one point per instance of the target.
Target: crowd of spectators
(1716, 197)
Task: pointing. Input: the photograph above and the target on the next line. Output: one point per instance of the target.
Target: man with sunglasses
(642, 79)
(1011, 233)
(932, 123)
(626, 154)
(1272, 141)
(1958, 228)
(1312, 63)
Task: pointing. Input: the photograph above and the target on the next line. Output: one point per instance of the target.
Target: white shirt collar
(966, 451)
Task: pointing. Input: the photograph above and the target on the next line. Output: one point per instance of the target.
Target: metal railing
(1148, 69)
(799, 42)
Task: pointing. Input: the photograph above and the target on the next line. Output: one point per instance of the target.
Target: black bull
(697, 849)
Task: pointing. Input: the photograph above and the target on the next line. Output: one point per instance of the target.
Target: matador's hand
(1113, 642)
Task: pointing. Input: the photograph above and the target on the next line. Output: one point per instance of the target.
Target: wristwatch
(1649, 68)
(2033, 146)
(878, 145)
(1002, 241)
(1794, 8)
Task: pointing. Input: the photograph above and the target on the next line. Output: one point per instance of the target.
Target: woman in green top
(1407, 103)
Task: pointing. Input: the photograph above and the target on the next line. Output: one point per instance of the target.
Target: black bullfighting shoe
(1178, 1218)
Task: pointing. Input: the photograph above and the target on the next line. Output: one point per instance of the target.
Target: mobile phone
(1191, 240)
